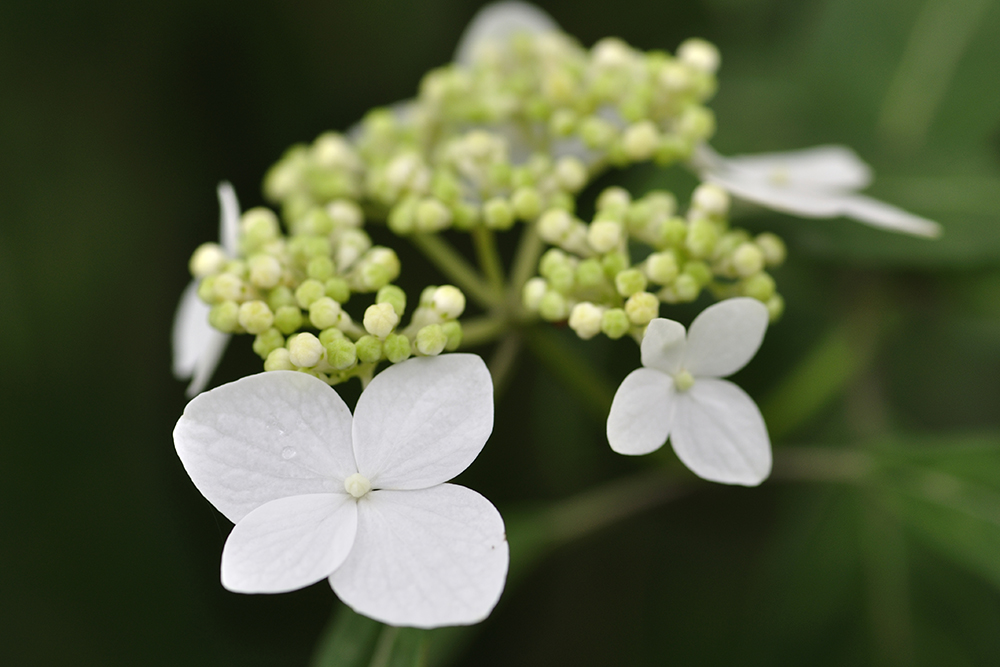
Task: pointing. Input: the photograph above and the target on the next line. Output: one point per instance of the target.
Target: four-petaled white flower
(819, 182)
(362, 501)
(198, 346)
(714, 426)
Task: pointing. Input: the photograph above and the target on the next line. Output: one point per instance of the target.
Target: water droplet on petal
(288, 453)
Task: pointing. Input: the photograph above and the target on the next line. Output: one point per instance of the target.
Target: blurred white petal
(265, 437)
(289, 543)
(229, 219)
(423, 421)
(498, 22)
(720, 434)
(663, 345)
(641, 412)
(724, 337)
(425, 558)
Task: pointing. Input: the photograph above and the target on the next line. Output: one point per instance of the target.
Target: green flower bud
(327, 336)
(265, 271)
(555, 225)
(553, 306)
(701, 238)
(641, 140)
(661, 267)
(394, 296)
(431, 340)
(642, 308)
(571, 173)
(615, 323)
(453, 331)
(324, 312)
(585, 319)
(773, 248)
(748, 259)
(280, 296)
(614, 263)
(697, 124)
(673, 148)
(396, 348)
(597, 133)
(552, 259)
(561, 278)
(225, 316)
(267, 342)
(337, 289)
(320, 268)
(614, 199)
(563, 122)
(309, 291)
(446, 187)
(700, 271)
(315, 222)
(206, 290)
(711, 200)
(255, 317)
(402, 217)
(341, 354)
(369, 349)
(590, 273)
(207, 259)
(527, 203)
(305, 350)
(448, 301)
(684, 289)
(431, 216)
(630, 281)
(759, 286)
(673, 233)
(498, 214)
(532, 293)
(278, 360)
(604, 235)
(345, 213)
(699, 55)
(380, 319)
(775, 306)
(258, 226)
(228, 287)
(465, 216)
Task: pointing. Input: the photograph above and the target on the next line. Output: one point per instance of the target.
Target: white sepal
(642, 412)
(725, 336)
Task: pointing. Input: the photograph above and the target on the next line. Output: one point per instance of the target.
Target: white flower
(819, 182)
(316, 494)
(498, 22)
(714, 426)
(198, 346)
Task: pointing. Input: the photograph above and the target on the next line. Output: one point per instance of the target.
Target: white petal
(827, 168)
(289, 543)
(198, 346)
(499, 21)
(725, 336)
(425, 558)
(720, 434)
(265, 437)
(229, 219)
(797, 201)
(886, 216)
(641, 412)
(423, 421)
(663, 345)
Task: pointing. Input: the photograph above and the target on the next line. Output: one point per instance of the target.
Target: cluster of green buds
(516, 133)
(590, 278)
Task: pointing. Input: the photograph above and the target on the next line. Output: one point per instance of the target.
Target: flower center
(683, 380)
(357, 485)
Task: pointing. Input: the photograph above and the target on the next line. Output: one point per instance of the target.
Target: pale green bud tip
(630, 281)
(775, 306)
(341, 353)
(209, 258)
(309, 291)
(585, 319)
(640, 140)
(683, 380)
(324, 312)
(699, 54)
(305, 350)
(642, 308)
(255, 317)
(661, 267)
(773, 248)
(259, 225)
(320, 268)
(228, 287)
(369, 349)
(394, 296)
(527, 203)
(432, 216)
(431, 340)
(614, 199)
(748, 259)
(711, 200)
(604, 235)
(380, 319)
(554, 225)
(553, 306)
(571, 173)
(498, 214)
(701, 238)
(288, 319)
(279, 360)
(448, 301)
(265, 271)
(760, 286)
(345, 213)
(615, 323)
(357, 485)
(267, 342)
(225, 316)
(396, 348)
(533, 292)
(453, 330)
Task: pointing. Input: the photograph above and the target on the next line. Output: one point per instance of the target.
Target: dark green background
(118, 119)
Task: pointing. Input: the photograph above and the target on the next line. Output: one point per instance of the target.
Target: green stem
(489, 257)
(481, 330)
(456, 268)
(383, 649)
(575, 371)
(525, 264)
(504, 358)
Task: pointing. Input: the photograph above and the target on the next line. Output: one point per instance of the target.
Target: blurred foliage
(117, 121)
